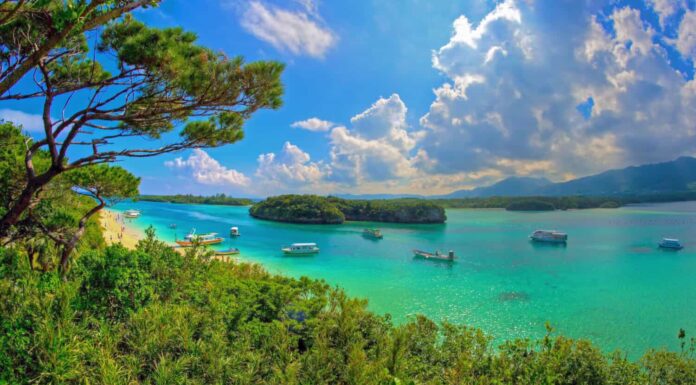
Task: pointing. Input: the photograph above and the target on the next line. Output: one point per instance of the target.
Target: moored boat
(549, 236)
(301, 249)
(230, 251)
(234, 231)
(437, 255)
(373, 233)
(670, 243)
(131, 213)
(199, 239)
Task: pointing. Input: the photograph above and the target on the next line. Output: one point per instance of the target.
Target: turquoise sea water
(610, 284)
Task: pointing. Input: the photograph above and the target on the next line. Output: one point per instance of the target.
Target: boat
(373, 233)
(670, 243)
(234, 231)
(131, 213)
(437, 255)
(199, 239)
(230, 251)
(172, 225)
(549, 236)
(301, 249)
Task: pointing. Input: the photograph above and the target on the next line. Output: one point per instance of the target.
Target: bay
(610, 284)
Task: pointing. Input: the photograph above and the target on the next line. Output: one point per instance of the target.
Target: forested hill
(220, 199)
(332, 210)
(677, 176)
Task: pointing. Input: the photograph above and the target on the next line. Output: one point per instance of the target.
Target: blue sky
(427, 97)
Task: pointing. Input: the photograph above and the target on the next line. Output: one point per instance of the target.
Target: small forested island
(218, 199)
(314, 209)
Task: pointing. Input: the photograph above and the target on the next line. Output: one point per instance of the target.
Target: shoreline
(115, 229)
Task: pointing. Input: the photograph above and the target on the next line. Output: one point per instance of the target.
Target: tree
(163, 80)
(106, 185)
(32, 31)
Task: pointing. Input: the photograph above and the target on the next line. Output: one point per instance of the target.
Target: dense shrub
(152, 316)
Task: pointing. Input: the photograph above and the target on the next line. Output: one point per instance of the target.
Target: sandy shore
(117, 230)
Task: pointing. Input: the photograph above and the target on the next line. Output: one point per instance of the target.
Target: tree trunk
(24, 201)
(70, 245)
(11, 217)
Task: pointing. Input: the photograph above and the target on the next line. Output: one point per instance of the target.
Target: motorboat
(200, 239)
(549, 236)
(373, 233)
(131, 213)
(670, 243)
(234, 231)
(230, 251)
(437, 255)
(301, 249)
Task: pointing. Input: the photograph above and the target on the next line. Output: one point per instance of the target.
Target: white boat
(131, 213)
(301, 248)
(373, 233)
(437, 255)
(670, 243)
(201, 239)
(234, 231)
(549, 236)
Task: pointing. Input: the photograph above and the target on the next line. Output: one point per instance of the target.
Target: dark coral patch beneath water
(510, 296)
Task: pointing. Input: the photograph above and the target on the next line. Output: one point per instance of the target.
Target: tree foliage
(32, 31)
(63, 210)
(135, 82)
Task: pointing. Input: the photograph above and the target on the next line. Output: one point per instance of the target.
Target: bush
(152, 316)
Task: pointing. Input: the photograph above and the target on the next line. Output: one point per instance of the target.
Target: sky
(432, 96)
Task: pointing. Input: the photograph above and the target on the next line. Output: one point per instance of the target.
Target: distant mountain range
(678, 175)
(675, 176)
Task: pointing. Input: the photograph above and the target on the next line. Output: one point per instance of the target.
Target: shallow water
(610, 284)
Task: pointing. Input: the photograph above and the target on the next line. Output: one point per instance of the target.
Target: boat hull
(435, 257)
(227, 252)
(548, 240)
(288, 251)
(671, 247)
(204, 243)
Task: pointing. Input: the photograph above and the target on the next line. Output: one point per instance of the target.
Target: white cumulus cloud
(515, 81)
(205, 169)
(299, 32)
(377, 148)
(292, 168)
(29, 122)
(313, 124)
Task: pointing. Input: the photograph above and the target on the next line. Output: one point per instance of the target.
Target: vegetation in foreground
(153, 316)
(332, 210)
(219, 199)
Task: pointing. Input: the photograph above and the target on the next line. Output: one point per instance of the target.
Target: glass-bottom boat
(670, 243)
(373, 233)
(437, 255)
(301, 249)
(549, 236)
(199, 239)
